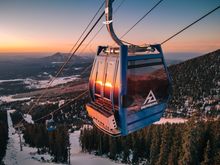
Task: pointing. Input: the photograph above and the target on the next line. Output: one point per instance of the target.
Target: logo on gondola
(150, 100)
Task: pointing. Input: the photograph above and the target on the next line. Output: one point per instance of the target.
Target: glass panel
(93, 76)
(147, 84)
(116, 88)
(110, 71)
(99, 78)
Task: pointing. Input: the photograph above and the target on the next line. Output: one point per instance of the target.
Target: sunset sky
(47, 26)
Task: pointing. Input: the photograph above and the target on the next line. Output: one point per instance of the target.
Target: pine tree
(3, 134)
(215, 142)
(147, 133)
(125, 156)
(155, 145)
(176, 143)
(105, 143)
(190, 144)
(165, 145)
(207, 155)
(112, 148)
(135, 148)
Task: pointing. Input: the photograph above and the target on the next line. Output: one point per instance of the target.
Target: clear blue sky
(54, 25)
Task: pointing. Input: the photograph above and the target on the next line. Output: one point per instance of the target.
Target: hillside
(196, 85)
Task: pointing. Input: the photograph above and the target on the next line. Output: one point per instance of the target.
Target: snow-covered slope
(79, 158)
(29, 157)
(13, 154)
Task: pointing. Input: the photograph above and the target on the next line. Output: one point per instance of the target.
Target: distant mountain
(35, 67)
(62, 57)
(196, 84)
(57, 57)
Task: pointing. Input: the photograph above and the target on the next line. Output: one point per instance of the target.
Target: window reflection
(147, 84)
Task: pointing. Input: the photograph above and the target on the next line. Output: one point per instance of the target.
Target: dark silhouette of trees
(154, 147)
(207, 154)
(3, 134)
(196, 78)
(193, 142)
(55, 142)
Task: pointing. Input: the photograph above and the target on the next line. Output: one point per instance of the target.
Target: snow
(11, 80)
(78, 68)
(29, 155)
(61, 102)
(80, 158)
(47, 102)
(171, 121)
(13, 154)
(36, 84)
(55, 62)
(11, 98)
(28, 118)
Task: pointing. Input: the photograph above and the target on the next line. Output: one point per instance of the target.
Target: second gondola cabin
(50, 125)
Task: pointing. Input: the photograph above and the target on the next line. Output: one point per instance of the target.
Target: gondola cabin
(129, 85)
(129, 91)
(50, 125)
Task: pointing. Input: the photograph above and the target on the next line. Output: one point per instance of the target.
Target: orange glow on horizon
(16, 42)
(34, 47)
(10, 44)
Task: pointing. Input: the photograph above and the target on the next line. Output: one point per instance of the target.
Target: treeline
(195, 142)
(74, 114)
(198, 79)
(3, 134)
(56, 143)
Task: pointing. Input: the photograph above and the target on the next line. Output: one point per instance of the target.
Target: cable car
(129, 85)
(50, 124)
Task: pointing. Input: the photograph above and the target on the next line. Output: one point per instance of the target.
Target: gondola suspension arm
(109, 22)
(118, 41)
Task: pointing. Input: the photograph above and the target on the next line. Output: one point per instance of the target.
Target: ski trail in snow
(10, 157)
(16, 157)
(13, 154)
(80, 158)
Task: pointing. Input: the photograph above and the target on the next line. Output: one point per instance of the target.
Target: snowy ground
(28, 118)
(13, 154)
(26, 157)
(79, 158)
(171, 120)
(38, 84)
(11, 98)
(35, 84)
